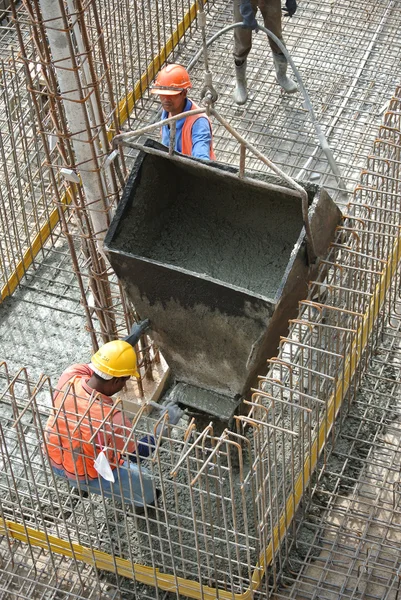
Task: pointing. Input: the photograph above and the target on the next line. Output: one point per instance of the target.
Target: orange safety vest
(72, 451)
(186, 135)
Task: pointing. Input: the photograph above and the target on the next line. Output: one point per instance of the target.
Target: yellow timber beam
(33, 250)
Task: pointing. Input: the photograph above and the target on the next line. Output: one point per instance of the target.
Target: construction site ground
(348, 528)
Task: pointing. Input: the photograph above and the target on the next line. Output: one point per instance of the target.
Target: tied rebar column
(80, 104)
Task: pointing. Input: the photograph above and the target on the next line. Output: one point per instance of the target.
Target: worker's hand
(137, 330)
(290, 8)
(174, 415)
(248, 15)
(174, 412)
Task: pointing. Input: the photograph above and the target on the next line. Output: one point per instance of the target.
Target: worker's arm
(145, 445)
(165, 132)
(137, 330)
(201, 138)
(121, 429)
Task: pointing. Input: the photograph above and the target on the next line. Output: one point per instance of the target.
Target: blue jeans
(140, 478)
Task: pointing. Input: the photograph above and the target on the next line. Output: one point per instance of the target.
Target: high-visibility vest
(186, 135)
(67, 448)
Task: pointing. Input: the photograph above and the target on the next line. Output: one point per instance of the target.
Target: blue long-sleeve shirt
(201, 134)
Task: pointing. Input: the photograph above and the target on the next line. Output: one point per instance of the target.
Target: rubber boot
(287, 84)
(240, 92)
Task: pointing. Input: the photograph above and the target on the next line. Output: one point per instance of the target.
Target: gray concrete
(216, 228)
(43, 326)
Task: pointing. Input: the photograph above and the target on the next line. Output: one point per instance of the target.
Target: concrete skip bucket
(218, 265)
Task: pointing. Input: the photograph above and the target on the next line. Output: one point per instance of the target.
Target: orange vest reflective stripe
(186, 135)
(66, 448)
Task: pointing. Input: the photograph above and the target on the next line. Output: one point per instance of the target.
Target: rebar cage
(225, 523)
(115, 62)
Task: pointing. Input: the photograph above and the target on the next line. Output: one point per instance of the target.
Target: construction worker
(87, 434)
(245, 11)
(193, 134)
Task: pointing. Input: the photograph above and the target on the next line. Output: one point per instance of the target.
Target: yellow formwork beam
(126, 105)
(194, 589)
(124, 109)
(34, 249)
(102, 560)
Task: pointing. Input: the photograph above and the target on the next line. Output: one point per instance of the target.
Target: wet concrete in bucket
(213, 226)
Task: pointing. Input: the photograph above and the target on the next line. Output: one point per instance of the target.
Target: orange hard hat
(171, 80)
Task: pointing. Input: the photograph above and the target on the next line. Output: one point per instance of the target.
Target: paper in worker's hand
(102, 466)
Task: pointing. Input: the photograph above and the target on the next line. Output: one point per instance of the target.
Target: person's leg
(242, 36)
(59, 472)
(85, 486)
(271, 12)
(242, 47)
(134, 482)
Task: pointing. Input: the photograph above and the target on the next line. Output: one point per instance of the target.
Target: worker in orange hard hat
(87, 436)
(193, 134)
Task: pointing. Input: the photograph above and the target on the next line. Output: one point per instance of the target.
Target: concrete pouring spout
(218, 264)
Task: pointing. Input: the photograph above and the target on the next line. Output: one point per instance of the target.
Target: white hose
(319, 133)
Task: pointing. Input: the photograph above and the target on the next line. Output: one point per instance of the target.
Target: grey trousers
(271, 13)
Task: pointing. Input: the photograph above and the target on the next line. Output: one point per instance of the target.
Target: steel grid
(39, 126)
(329, 327)
(354, 518)
(35, 139)
(25, 185)
(350, 73)
(138, 39)
(226, 516)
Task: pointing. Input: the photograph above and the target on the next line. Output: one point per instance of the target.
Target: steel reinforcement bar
(315, 376)
(119, 115)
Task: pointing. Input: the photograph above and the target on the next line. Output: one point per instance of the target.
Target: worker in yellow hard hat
(87, 435)
(193, 135)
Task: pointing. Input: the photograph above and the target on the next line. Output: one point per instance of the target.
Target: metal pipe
(148, 128)
(208, 167)
(319, 132)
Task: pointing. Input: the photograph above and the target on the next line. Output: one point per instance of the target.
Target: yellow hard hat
(115, 359)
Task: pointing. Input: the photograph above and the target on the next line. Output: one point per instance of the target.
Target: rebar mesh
(347, 54)
(36, 143)
(37, 202)
(226, 517)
